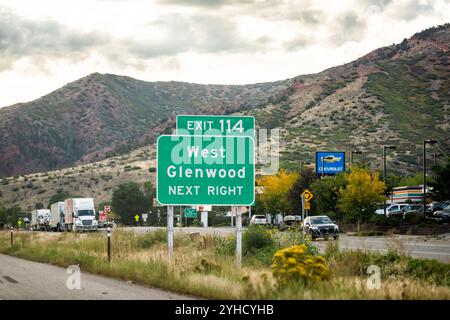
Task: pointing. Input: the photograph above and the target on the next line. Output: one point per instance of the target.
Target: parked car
(412, 209)
(320, 227)
(435, 206)
(391, 209)
(395, 210)
(443, 214)
(290, 221)
(258, 220)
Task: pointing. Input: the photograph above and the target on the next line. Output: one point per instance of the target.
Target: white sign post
(238, 236)
(170, 232)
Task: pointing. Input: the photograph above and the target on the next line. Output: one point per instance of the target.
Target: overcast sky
(45, 44)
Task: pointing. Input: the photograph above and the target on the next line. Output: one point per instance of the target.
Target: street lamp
(425, 142)
(351, 155)
(323, 159)
(384, 168)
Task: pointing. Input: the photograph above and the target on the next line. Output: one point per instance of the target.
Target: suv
(320, 227)
(392, 209)
(258, 220)
(443, 214)
(412, 209)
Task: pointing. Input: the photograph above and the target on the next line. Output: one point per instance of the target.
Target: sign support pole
(238, 236)
(303, 216)
(170, 232)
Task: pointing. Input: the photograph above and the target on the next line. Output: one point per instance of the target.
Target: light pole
(424, 200)
(435, 155)
(351, 155)
(384, 168)
(323, 169)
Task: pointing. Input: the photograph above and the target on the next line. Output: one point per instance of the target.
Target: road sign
(136, 218)
(204, 208)
(307, 205)
(205, 170)
(308, 195)
(331, 162)
(190, 213)
(216, 125)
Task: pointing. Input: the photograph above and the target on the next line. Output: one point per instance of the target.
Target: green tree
(326, 195)
(304, 181)
(39, 205)
(127, 201)
(3, 216)
(441, 186)
(13, 214)
(362, 192)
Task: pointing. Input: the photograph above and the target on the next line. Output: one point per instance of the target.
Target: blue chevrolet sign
(330, 163)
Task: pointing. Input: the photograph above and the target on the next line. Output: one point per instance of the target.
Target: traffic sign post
(170, 232)
(238, 236)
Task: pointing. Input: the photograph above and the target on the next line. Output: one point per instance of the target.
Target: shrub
(293, 264)
(151, 238)
(256, 237)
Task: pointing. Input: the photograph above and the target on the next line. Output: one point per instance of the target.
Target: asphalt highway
(23, 279)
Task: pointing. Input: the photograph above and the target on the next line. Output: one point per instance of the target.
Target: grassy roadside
(204, 266)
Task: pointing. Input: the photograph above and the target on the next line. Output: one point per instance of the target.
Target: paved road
(416, 246)
(23, 279)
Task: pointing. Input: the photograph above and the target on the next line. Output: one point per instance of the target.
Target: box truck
(40, 219)
(58, 219)
(80, 215)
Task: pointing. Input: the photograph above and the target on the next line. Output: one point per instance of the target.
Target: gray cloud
(349, 27)
(412, 9)
(201, 33)
(21, 38)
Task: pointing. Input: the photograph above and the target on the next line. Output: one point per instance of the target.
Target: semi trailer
(80, 215)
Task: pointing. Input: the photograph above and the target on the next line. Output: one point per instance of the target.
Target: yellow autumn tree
(363, 191)
(275, 198)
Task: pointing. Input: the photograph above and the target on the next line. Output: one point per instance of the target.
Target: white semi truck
(80, 215)
(58, 219)
(40, 220)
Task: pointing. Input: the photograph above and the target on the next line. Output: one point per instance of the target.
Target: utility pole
(424, 198)
(384, 169)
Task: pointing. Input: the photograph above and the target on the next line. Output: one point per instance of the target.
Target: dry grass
(200, 269)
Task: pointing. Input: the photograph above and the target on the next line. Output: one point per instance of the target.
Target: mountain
(398, 95)
(394, 95)
(102, 115)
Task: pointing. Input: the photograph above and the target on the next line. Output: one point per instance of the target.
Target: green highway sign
(205, 170)
(190, 213)
(216, 125)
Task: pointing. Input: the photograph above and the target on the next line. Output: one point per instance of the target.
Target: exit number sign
(216, 125)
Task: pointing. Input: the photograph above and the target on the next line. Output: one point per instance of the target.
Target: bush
(293, 264)
(151, 238)
(256, 237)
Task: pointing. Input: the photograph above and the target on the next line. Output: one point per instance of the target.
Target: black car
(320, 227)
(443, 214)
